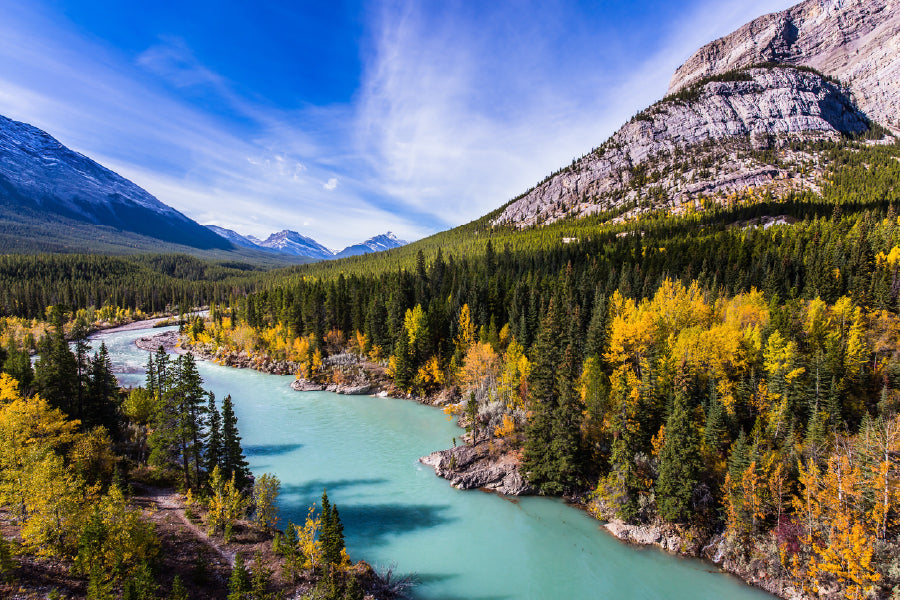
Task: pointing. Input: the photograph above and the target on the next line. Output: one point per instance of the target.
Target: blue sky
(347, 118)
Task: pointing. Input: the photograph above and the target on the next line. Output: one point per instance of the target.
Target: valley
(688, 338)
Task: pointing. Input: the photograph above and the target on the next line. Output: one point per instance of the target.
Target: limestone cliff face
(856, 41)
(696, 143)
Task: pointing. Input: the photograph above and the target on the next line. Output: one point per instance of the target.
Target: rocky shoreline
(470, 467)
(482, 466)
(758, 572)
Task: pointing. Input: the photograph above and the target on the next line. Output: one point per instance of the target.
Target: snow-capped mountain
(244, 241)
(385, 241)
(41, 176)
(291, 242)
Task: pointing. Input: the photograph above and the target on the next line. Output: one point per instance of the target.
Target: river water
(396, 512)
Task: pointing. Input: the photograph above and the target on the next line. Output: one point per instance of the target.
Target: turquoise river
(396, 512)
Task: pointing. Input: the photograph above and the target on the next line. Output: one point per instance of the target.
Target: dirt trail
(168, 502)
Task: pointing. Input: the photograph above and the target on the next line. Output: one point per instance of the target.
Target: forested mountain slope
(40, 176)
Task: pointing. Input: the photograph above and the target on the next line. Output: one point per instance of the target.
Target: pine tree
(79, 335)
(567, 455)
(679, 463)
(102, 391)
(538, 461)
(739, 458)
(17, 365)
(7, 565)
(213, 453)
(163, 375)
(141, 585)
(191, 401)
(715, 432)
(262, 577)
(151, 382)
(596, 333)
(56, 374)
(233, 461)
(403, 367)
(179, 592)
(332, 533)
(239, 582)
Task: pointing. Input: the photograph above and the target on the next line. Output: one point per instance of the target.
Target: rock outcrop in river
(167, 339)
(469, 467)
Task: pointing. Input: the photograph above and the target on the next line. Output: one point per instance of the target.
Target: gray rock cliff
(674, 152)
(857, 41)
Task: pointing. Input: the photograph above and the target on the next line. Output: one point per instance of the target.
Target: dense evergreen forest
(732, 367)
(710, 369)
(74, 447)
(149, 283)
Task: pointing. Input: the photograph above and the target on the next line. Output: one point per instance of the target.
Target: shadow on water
(271, 449)
(368, 524)
(314, 488)
(371, 524)
(428, 578)
(465, 597)
(423, 580)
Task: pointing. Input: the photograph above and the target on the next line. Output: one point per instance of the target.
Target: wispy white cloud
(457, 120)
(173, 60)
(453, 116)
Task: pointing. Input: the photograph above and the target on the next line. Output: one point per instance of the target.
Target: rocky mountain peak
(706, 138)
(856, 41)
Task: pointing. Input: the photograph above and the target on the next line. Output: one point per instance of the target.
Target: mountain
(715, 136)
(44, 184)
(745, 114)
(855, 41)
(385, 241)
(291, 242)
(235, 238)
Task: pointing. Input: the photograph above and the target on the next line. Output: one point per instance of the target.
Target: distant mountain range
(385, 241)
(53, 199)
(40, 180)
(293, 244)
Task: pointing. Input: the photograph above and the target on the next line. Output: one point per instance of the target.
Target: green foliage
(679, 463)
(178, 592)
(265, 494)
(552, 453)
(180, 418)
(261, 581)
(332, 533)
(7, 565)
(17, 364)
(139, 406)
(142, 586)
(233, 462)
(239, 582)
(287, 545)
(115, 543)
(152, 283)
